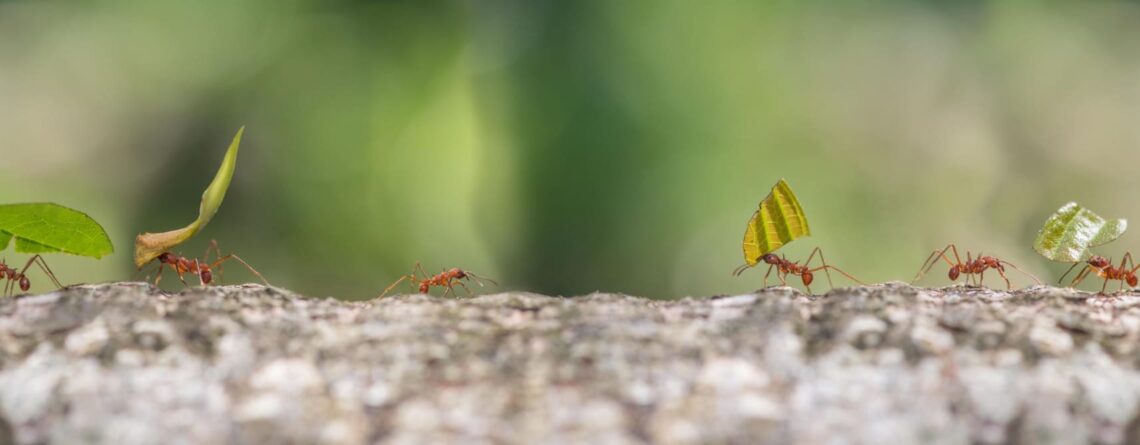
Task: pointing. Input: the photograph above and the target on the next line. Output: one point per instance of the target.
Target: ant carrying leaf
(780, 220)
(47, 228)
(448, 278)
(156, 246)
(1070, 233)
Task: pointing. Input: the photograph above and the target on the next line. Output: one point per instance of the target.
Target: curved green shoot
(45, 227)
(149, 246)
(778, 221)
(1069, 233)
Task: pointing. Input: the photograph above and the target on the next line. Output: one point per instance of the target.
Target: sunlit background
(565, 147)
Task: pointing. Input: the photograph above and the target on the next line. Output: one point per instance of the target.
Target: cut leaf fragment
(778, 221)
(51, 228)
(149, 246)
(1069, 233)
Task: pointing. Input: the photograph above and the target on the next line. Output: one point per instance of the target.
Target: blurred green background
(566, 147)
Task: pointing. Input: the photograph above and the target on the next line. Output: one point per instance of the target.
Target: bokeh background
(566, 147)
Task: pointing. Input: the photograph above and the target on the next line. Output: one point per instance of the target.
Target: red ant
(448, 278)
(1103, 268)
(202, 269)
(972, 266)
(784, 268)
(20, 278)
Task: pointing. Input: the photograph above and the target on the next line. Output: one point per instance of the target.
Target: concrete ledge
(126, 364)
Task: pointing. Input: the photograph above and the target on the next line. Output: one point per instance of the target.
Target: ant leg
(970, 276)
(218, 254)
(1074, 266)
(1081, 276)
(828, 266)
(932, 259)
(419, 269)
(243, 263)
(822, 261)
(465, 288)
(39, 260)
(398, 281)
(158, 276)
(770, 267)
(198, 271)
(1007, 285)
(1014, 266)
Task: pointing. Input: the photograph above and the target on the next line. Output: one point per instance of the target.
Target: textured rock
(126, 364)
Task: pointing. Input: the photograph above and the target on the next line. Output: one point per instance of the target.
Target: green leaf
(1069, 233)
(149, 246)
(50, 228)
(778, 221)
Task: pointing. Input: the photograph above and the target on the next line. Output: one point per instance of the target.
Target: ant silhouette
(448, 278)
(784, 267)
(970, 268)
(203, 269)
(14, 278)
(1125, 273)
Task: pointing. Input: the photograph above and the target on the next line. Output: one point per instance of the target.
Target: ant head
(25, 284)
(457, 272)
(206, 275)
(1098, 261)
(770, 258)
(808, 277)
(954, 272)
(167, 258)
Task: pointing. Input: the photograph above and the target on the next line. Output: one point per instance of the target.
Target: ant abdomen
(808, 277)
(25, 284)
(955, 272)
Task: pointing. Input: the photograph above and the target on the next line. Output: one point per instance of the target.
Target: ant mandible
(20, 278)
(202, 269)
(972, 266)
(784, 267)
(1104, 269)
(448, 278)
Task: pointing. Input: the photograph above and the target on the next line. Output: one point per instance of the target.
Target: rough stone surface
(127, 364)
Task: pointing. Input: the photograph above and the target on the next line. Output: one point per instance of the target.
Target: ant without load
(448, 278)
(970, 268)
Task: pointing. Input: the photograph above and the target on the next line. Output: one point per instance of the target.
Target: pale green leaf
(149, 246)
(1069, 233)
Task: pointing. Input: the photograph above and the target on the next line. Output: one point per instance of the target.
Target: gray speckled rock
(126, 364)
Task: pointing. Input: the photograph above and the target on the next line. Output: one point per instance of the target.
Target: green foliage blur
(564, 147)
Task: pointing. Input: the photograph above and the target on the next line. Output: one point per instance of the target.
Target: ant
(1104, 269)
(20, 278)
(202, 269)
(972, 266)
(784, 267)
(448, 278)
